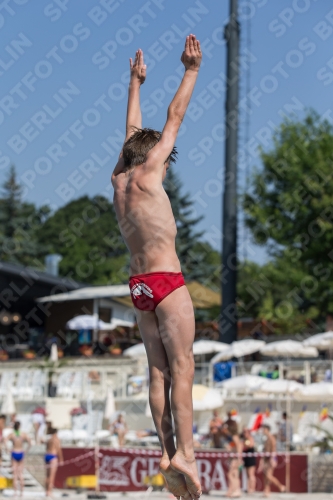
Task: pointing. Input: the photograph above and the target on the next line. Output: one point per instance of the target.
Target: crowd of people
(20, 445)
(225, 434)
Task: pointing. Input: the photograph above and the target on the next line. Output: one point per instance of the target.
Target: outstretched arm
(138, 76)
(133, 116)
(191, 58)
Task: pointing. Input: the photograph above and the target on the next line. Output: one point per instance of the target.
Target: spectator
(38, 422)
(285, 432)
(276, 372)
(249, 461)
(2, 426)
(53, 456)
(268, 463)
(230, 431)
(119, 427)
(18, 439)
(215, 429)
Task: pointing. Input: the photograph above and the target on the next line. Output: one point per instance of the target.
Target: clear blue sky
(64, 71)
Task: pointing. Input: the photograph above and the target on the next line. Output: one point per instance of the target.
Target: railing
(101, 377)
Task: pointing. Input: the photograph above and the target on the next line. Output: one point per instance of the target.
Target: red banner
(125, 470)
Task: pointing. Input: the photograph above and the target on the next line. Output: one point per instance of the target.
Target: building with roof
(20, 315)
(105, 302)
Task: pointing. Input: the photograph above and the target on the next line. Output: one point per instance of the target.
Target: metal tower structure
(228, 322)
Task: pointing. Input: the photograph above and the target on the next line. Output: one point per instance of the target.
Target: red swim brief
(148, 290)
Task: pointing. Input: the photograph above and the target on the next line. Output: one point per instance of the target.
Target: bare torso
(146, 221)
(18, 442)
(53, 445)
(269, 445)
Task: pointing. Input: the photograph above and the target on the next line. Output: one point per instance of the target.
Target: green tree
(289, 209)
(271, 292)
(86, 234)
(19, 224)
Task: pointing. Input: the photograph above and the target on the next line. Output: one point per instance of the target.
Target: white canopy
(117, 322)
(322, 341)
(243, 383)
(280, 386)
(86, 322)
(205, 398)
(239, 349)
(89, 292)
(289, 348)
(89, 322)
(135, 351)
(320, 391)
(208, 347)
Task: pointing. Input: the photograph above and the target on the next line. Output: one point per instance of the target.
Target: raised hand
(192, 55)
(138, 68)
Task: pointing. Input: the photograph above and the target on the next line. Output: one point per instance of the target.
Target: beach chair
(23, 389)
(80, 422)
(66, 436)
(7, 380)
(76, 388)
(25, 420)
(307, 433)
(38, 383)
(64, 383)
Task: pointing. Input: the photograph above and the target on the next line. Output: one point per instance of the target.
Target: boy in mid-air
(163, 305)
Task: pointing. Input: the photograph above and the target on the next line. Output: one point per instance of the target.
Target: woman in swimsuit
(119, 428)
(18, 438)
(249, 461)
(52, 457)
(268, 463)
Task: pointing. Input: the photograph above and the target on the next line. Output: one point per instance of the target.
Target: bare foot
(283, 489)
(189, 470)
(175, 482)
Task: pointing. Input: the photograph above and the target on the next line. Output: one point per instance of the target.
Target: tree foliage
(19, 224)
(290, 210)
(270, 293)
(86, 234)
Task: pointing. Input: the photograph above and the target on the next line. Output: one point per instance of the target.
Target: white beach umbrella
(243, 383)
(115, 322)
(54, 353)
(320, 391)
(289, 349)
(110, 407)
(135, 351)
(208, 347)
(322, 341)
(205, 398)
(86, 322)
(280, 386)
(8, 405)
(239, 349)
